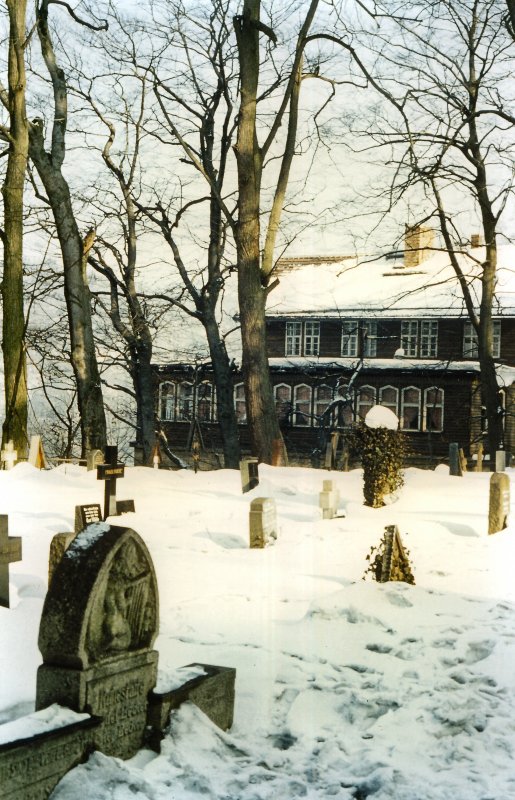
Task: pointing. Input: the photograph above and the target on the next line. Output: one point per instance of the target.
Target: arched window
(282, 395)
(389, 398)
(167, 400)
(184, 401)
(302, 404)
(240, 405)
(204, 401)
(410, 409)
(433, 409)
(323, 396)
(366, 399)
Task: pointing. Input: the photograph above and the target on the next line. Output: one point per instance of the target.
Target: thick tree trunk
(224, 392)
(263, 424)
(489, 384)
(141, 372)
(13, 323)
(84, 362)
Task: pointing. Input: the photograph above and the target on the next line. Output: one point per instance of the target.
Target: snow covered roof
(382, 285)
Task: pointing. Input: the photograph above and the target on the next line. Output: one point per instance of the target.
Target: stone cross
(9, 455)
(499, 505)
(249, 474)
(455, 460)
(10, 550)
(109, 472)
(328, 500)
(262, 522)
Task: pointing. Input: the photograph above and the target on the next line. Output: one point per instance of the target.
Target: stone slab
(31, 768)
(125, 506)
(58, 546)
(249, 471)
(213, 693)
(455, 467)
(85, 515)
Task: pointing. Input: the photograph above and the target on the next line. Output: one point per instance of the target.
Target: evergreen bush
(382, 454)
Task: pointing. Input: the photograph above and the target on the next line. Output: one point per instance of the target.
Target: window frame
(311, 339)
(428, 339)
(440, 405)
(470, 352)
(358, 402)
(306, 416)
(189, 405)
(390, 405)
(405, 405)
(283, 414)
(173, 395)
(293, 338)
(410, 337)
(240, 419)
(369, 328)
(349, 338)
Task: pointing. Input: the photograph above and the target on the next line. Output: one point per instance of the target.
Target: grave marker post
(262, 522)
(500, 460)
(479, 465)
(10, 550)
(499, 504)
(36, 453)
(109, 472)
(455, 460)
(328, 500)
(249, 474)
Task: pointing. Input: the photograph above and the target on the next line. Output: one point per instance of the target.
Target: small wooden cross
(10, 550)
(9, 455)
(109, 472)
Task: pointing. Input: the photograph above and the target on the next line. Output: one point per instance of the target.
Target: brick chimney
(418, 242)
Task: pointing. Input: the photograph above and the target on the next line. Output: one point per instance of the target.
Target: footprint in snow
(399, 600)
(379, 648)
(477, 651)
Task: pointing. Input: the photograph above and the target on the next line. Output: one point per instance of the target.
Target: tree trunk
(489, 384)
(142, 379)
(13, 323)
(262, 419)
(84, 362)
(224, 392)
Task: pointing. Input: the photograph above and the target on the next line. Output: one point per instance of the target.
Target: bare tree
(49, 166)
(13, 322)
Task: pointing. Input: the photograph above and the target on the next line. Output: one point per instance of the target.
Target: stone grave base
(115, 690)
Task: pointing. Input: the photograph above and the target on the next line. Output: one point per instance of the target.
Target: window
(293, 338)
(240, 406)
(323, 396)
(350, 338)
(311, 338)
(282, 395)
(204, 401)
(167, 400)
(366, 399)
(410, 409)
(302, 405)
(433, 409)
(428, 338)
(370, 339)
(184, 401)
(470, 345)
(389, 398)
(409, 337)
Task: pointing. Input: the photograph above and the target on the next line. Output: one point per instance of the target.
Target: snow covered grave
(95, 688)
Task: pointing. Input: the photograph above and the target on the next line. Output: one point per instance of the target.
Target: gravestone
(125, 506)
(463, 461)
(98, 625)
(249, 472)
(36, 453)
(262, 522)
(58, 546)
(500, 460)
(499, 504)
(93, 459)
(85, 515)
(9, 456)
(97, 630)
(455, 460)
(391, 562)
(109, 472)
(328, 500)
(10, 550)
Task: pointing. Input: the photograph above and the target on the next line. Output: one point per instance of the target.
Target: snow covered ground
(345, 688)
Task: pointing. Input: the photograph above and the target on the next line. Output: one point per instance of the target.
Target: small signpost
(109, 472)
(9, 455)
(10, 550)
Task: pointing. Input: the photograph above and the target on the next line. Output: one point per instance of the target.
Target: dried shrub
(382, 454)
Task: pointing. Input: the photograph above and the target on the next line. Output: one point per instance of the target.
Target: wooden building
(346, 333)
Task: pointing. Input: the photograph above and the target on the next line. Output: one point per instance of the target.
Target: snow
(381, 417)
(345, 688)
(372, 285)
(44, 721)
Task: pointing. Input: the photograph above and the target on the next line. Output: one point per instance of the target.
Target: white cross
(9, 455)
